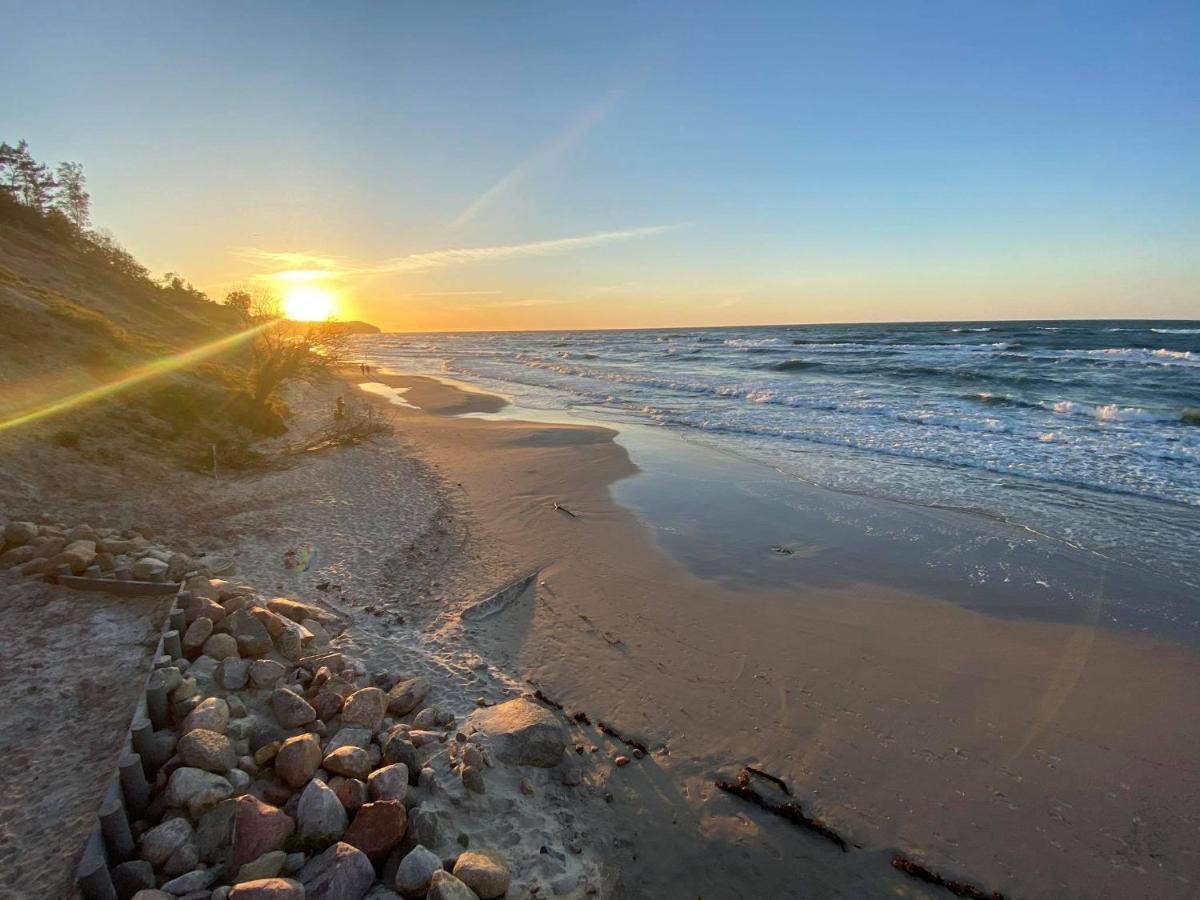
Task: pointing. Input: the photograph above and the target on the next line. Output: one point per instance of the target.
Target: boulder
(258, 828)
(77, 555)
(267, 889)
(522, 732)
(415, 871)
(350, 737)
(18, 533)
(133, 876)
(377, 828)
(268, 865)
(365, 707)
(121, 546)
(221, 646)
(295, 610)
(195, 880)
(196, 790)
(484, 873)
(272, 622)
(291, 641)
(351, 791)
(351, 762)
(327, 705)
(197, 633)
(160, 842)
(297, 759)
(233, 674)
(389, 783)
(266, 673)
(149, 569)
(444, 886)
(17, 556)
(407, 696)
(399, 749)
(251, 635)
(291, 709)
(340, 873)
(211, 714)
(214, 831)
(208, 750)
(320, 816)
(195, 607)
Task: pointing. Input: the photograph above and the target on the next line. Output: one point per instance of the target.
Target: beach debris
(564, 510)
(789, 810)
(605, 728)
(501, 599)
(782, 550)
(966, 889)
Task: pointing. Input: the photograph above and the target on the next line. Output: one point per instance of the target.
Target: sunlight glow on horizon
(309, 304)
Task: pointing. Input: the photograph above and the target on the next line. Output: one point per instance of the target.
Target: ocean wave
(1176, 330)
(789, 365)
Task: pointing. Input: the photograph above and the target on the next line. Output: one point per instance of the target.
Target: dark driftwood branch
(773, 778)
(563, 509)
(786, 810)
(958, 888)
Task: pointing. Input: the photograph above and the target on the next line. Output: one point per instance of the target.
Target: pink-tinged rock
(377, 828)
(258, 828)
(351, 791)
(327, 705)
(407, 696)
(268, 889)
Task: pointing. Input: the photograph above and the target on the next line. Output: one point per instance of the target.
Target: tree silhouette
(72, 199)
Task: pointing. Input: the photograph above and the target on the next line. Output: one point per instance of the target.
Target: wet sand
(1037, 757)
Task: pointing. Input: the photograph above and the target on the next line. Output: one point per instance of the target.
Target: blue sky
(693, 163)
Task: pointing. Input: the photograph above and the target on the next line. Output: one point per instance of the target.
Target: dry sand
(1039, 759)
(1044, 760)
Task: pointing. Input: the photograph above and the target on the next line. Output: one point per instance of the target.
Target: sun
(309, 304)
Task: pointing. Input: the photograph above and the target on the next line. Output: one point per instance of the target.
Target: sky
(543, 165)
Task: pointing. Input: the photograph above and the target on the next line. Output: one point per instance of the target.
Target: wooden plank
(118, 586)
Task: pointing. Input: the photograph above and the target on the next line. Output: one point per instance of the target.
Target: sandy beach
(1039, 758)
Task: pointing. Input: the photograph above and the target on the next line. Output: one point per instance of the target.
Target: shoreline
(854, 718)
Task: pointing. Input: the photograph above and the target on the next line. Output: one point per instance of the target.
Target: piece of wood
(117, 585)
(792, 812)
(563, 509)
(918, 872)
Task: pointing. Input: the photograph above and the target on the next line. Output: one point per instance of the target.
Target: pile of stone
(39, 550)
(269, 765)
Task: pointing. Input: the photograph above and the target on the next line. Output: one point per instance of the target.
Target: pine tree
(72, 199)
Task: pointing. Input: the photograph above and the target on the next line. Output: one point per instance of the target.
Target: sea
(1087, 432)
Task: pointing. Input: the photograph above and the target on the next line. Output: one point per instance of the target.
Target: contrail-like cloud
(294, 264)
(542, 156)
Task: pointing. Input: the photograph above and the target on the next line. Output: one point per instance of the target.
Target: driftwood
(958, 888)
(500, 600)
(772, 778)
(785, 810)
(540, 696)
(563, 509)
(605, 728)
(582, 718)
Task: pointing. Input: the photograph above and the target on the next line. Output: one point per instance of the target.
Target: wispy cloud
(457, 293)
(542, 156)
(305, 266)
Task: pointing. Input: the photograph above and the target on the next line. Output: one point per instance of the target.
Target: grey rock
(415, 871)
(266, 866)
(291, 709)
(214, 831)
(253, 639)
(196, 790)
(340, 873)
(320, 816)
(149, 569)
(133, 876)
(195, 880)
(389, 783)
(522, 732)
(17, 533)
(211, 714)
(407, 696)
(233, 674)
(208, 750)
(161, 841)
(266, 673)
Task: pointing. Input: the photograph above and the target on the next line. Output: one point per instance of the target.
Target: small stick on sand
(773, 778)
(958, 888)
(790, 811)
(563, 509)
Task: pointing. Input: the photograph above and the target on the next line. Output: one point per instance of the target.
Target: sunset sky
(520, 165)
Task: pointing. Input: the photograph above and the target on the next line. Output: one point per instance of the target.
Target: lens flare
(130, 379)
